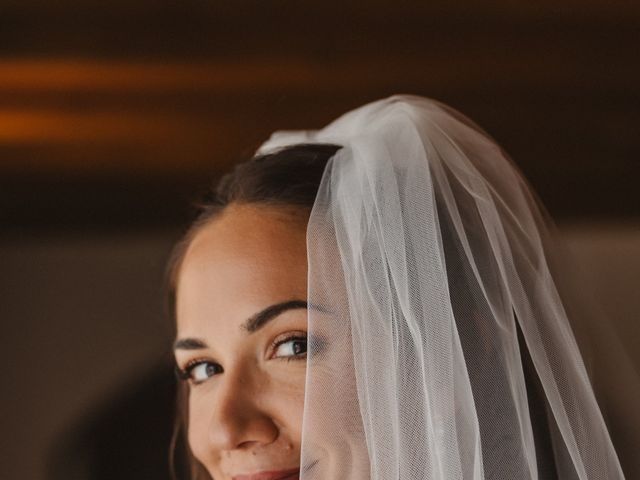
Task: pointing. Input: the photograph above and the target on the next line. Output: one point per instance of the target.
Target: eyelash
(185, 373)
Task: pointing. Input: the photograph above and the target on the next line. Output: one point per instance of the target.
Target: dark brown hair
(286, 178)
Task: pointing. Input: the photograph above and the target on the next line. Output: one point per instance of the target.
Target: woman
(374, 300)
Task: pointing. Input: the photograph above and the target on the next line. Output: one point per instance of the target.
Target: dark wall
(110, 113)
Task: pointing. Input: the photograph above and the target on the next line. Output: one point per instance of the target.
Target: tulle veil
(440, 346)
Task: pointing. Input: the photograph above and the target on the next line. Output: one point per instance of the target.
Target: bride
(377, 300)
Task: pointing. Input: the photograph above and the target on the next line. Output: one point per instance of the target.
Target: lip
(291, 474)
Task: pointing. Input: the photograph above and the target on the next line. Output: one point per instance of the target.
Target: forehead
(243, 261)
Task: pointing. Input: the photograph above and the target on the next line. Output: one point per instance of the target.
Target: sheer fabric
(439, 347)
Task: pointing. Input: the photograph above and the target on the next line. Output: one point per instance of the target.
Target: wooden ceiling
(113, 114)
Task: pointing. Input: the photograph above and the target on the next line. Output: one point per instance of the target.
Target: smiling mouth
(309, 466)
(293, 474)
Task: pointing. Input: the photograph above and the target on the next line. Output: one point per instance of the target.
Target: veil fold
(439, 346)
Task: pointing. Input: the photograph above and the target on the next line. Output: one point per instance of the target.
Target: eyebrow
(251, 325)
(189, 344)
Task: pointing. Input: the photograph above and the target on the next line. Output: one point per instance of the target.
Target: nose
(238, 419)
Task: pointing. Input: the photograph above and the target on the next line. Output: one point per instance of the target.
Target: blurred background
(114, 115)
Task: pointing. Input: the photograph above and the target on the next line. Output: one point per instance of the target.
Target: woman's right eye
(200, 371)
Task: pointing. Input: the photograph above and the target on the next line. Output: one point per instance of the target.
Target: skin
(246, 393)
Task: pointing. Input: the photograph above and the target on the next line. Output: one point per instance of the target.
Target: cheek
(198, 432)
(286, 397)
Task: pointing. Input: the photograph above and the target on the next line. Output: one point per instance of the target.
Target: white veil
(439, 347)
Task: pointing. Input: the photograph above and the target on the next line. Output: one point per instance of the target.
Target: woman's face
(241, 342)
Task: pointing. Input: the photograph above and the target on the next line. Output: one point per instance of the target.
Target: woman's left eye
(291, 347)
(199, 371)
